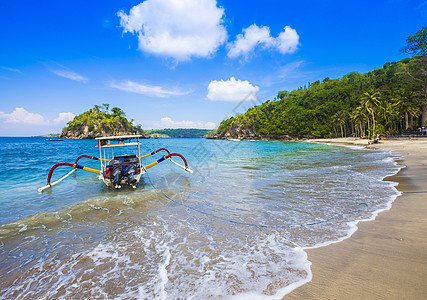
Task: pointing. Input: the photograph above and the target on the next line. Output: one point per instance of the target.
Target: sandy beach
(385, 258)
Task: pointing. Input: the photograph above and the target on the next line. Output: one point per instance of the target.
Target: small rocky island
(101, 121)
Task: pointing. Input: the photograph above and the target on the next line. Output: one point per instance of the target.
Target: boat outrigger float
(120, 170)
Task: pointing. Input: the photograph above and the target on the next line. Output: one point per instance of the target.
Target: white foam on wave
(303, 263)
(352, 228)
(24, 227)
(388, 204)
(353, 224)
(184, 261)
(355, 147)
(388, 159)
(163, 273)
(156, 258)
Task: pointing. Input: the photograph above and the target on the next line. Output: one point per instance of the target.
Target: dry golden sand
(385, 258)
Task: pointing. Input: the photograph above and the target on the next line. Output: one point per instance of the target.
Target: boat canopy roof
(119, 137)
(119, 145)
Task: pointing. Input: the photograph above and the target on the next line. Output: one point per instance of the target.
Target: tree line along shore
(387, 101)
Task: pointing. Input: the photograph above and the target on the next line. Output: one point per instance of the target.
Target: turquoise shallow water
(187, 234)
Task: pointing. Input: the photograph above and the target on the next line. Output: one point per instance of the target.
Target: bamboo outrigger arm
(170, 157)
(91, 157)
(154, 152)
(49, 185)
(75, 167)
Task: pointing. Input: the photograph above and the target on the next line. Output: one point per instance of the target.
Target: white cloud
(70, 75)
(178, 29)
(286, 43)
(246, 42)
(64, 118)
(167, 122)
(138, 88)
(20, 116)
(231, 90)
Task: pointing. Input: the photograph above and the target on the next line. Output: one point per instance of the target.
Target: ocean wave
(233, 231)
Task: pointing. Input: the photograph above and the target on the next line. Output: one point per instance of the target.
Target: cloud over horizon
(178, 29)
(252, 37)
(167, 122)
(232, 90)
(21, 117)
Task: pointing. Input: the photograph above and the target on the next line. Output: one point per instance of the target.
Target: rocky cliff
(83, 132)
(238, 131)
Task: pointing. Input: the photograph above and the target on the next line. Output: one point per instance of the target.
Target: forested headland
(386, 101)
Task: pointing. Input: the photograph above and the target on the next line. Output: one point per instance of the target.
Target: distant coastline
(50, 135)
(178, 133)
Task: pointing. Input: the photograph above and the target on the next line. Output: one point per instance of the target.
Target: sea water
(237, 227)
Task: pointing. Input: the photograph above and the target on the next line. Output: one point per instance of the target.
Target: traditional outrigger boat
(118, 170)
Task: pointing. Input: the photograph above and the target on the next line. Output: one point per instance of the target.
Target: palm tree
(370, 101)
(385, 112)
(340, 119)
(359, 117)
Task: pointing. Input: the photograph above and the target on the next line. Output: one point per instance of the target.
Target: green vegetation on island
(100, 121)
(388, 101)
(179, 133)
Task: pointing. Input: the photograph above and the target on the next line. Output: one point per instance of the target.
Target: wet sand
(385, 258)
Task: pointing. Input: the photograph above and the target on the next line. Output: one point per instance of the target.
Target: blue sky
(183, 63)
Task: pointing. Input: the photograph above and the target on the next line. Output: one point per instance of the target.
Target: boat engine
(116, 175)
(122, 169)
(129, 174)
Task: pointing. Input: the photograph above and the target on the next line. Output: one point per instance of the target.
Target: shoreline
(386, 258)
